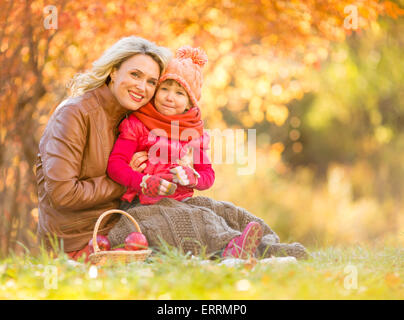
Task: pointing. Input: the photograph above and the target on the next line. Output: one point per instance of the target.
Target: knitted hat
(186, 69)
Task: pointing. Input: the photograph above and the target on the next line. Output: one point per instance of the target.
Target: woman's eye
(135, 74)
(181, 93)
(153, 83)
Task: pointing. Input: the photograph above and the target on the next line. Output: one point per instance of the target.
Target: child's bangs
(170, 82)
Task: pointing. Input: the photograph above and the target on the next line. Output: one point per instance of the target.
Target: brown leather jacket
(73, 188)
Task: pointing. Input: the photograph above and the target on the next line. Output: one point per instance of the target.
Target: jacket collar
(110, 104)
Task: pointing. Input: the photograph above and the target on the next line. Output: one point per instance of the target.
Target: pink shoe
(245, 245)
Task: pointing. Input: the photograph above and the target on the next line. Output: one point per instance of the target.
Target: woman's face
(134, 83)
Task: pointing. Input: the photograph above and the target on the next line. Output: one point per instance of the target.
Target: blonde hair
(112, 58)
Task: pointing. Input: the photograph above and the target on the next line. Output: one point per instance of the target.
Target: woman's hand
(185, 176)
(138, 162)
(157, 185)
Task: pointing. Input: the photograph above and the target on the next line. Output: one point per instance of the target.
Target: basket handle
(97, 225)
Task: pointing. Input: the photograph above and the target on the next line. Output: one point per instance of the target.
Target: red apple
(103, 243)
(136, 241)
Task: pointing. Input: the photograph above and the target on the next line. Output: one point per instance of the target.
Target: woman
(73, 188)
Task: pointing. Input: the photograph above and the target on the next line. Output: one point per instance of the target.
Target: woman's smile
(135, 96)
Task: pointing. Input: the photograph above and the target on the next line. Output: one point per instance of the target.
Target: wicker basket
(99, 257)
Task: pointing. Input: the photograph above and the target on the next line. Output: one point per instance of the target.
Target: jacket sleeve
(62, 163)
(118, 164)
(203, 166)
(205, 170)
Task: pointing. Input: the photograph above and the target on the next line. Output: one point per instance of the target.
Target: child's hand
(138, 161)
(185, 176)
(154, 185)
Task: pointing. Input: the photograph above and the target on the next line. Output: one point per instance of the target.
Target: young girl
(170, 129)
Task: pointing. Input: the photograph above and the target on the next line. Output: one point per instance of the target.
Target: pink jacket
(163, 154)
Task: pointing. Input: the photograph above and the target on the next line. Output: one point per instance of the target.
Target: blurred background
(321, 82)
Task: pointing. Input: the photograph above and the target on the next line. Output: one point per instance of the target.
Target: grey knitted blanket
(198, 224)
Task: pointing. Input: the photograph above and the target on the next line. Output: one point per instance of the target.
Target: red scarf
(153, 119)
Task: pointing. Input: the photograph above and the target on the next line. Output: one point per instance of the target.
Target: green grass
(171, 275)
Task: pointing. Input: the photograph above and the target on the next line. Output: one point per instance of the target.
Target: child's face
(171, 98)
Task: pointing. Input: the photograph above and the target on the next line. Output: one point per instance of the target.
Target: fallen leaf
(265, 279)
(250, 263)
(392, 279)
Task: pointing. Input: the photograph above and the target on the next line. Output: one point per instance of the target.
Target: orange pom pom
(197, 55)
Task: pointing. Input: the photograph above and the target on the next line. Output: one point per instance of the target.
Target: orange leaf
(392, 279)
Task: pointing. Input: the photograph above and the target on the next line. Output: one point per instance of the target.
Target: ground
(355, 272)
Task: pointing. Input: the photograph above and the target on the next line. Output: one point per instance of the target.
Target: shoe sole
(252, 236)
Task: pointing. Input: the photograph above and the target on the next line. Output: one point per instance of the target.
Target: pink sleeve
(203, 166)
(118, 164)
